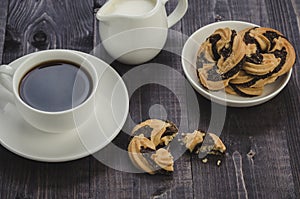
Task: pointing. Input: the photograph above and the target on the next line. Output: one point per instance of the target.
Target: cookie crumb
(218, 163)
(205, 160)
(251, 154)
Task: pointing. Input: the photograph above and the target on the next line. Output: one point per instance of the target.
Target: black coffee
(55, 86)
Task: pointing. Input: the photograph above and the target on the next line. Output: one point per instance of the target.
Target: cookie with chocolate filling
(268, 55)
(268, 52)
(247, 85)
(244, 91)
(202, 142)
(220, 58)
(161, 133)
(144, 156)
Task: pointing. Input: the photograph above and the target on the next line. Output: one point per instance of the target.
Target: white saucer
(189, 55)
(111, 109)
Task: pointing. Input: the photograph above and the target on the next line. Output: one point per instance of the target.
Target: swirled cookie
(220, 58)
(144, 156)
(158, 131)
(202, 142)
(145, 149)
(268, 55)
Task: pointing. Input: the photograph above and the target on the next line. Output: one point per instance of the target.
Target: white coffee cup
(54, 122)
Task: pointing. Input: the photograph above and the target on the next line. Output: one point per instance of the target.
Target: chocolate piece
(247, 38)
(213, 40)
(256, 58)
(234, 70)
(271, 35)
(227, 50)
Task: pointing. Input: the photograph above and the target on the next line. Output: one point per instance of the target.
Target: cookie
(267, 47)
(244, 91)
(268, 55)
(144, 156)
(202, 142)
(161, 133)
(220, 58)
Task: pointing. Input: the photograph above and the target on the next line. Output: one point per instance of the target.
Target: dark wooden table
(263, 142)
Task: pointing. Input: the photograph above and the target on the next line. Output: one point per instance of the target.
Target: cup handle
(6, 73)
(178, 13)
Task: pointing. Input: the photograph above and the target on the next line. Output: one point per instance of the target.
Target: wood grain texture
(40, 25)
(263, 137)
(296, 8)
(163, 104)
(288, 24)
(262, 160)
(33, 26)
(99, 3)
(22, 178)
(3, 19)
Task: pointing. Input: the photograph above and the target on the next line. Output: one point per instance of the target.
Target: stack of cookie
(243, 63)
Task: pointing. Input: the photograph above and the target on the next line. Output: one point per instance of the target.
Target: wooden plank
(30, 179)
(3, 19)
(289, 25)
(209, 181)
(251, 144)
(99, 3)
(296, 8)
(262, 159)
(33, 26)
(263, 137)
(109, 183)
(129, 185)
(39, 25)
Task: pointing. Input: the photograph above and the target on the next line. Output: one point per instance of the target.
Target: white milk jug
(135, 31)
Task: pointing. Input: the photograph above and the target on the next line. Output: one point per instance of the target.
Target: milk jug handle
(178, 13)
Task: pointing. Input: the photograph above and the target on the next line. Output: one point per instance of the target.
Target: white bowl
(189, 56)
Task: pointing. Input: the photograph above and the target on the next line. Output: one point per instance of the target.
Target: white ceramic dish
(189, 55)
(110, 113)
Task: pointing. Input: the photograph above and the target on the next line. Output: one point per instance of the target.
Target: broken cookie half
(204, 143)
(144, 156)
(160, 132)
